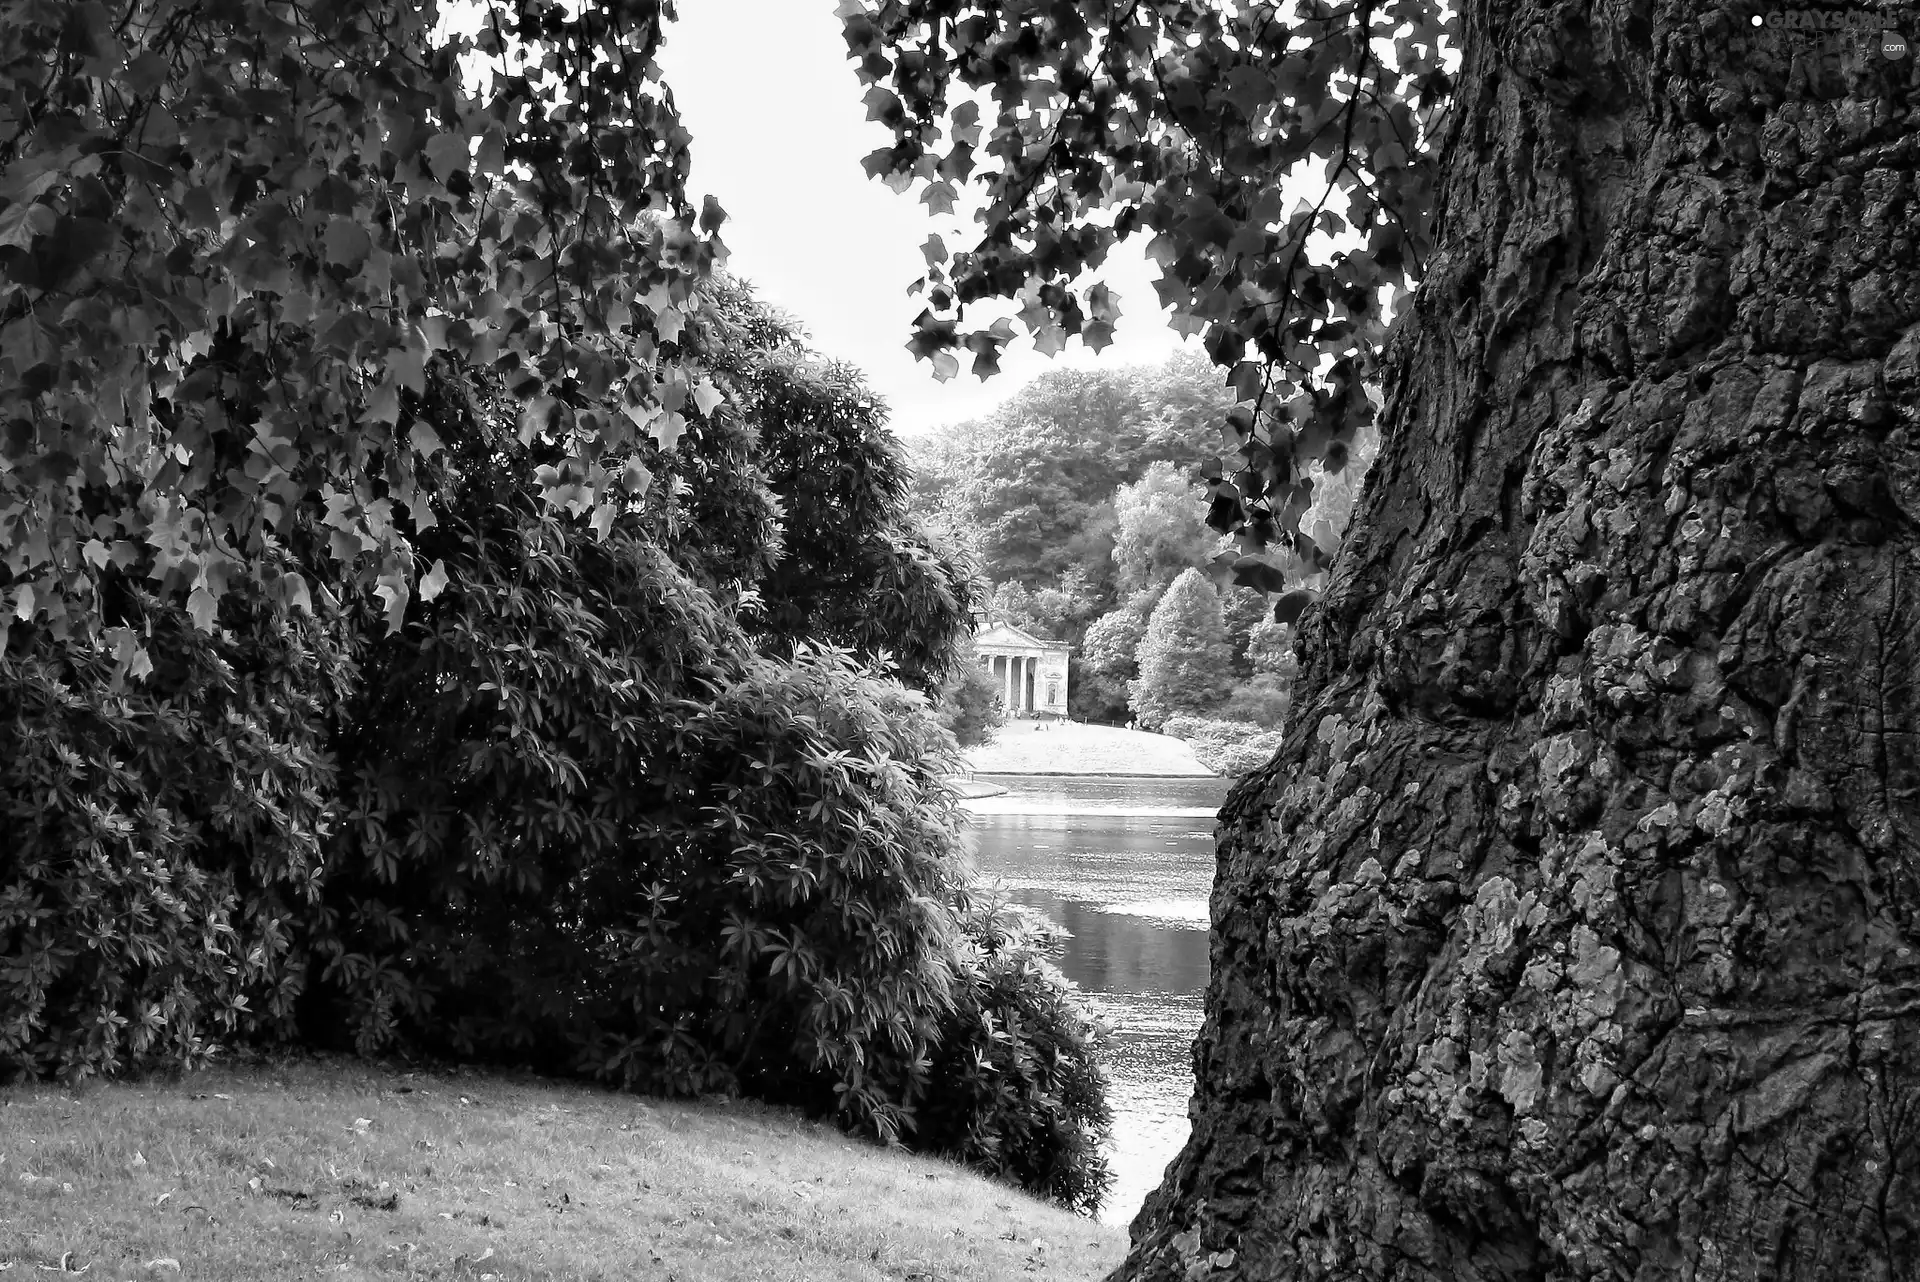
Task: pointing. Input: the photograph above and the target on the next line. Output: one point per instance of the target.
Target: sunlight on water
(1125, 867)
(1189, 911)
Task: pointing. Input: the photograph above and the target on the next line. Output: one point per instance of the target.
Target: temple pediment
(1005, 636)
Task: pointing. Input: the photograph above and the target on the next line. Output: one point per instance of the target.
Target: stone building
(1032, 673)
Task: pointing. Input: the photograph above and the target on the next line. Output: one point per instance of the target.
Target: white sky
(778, 128)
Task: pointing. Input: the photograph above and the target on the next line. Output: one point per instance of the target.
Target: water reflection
(1125, 865)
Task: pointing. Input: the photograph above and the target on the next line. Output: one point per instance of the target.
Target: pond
(1125, 866)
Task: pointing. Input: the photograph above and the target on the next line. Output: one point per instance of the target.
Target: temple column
(1006, 683)
(1026, 683)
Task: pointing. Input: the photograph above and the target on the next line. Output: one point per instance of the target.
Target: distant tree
(1066, 610)
(1160, 528)
(1243, 611)
(1012, 602)
(1185, 660)
(1034, 481)
(1113, 640)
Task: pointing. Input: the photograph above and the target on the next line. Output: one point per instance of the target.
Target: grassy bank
(342, 1170)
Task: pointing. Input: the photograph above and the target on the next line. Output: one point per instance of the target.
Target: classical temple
(1032, 672)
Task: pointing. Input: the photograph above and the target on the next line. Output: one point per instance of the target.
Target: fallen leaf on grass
(164, 1262)
(219, 1095)
(162, 1199)
(65, 1265)
(360, 1125)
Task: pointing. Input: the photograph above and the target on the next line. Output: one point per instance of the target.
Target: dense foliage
(235, 239)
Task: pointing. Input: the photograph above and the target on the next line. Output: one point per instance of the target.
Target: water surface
(1124, 865)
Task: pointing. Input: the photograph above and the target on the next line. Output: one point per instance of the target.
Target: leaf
(536, 417)
(202, 606)
(946, 366)
(636, 477)
(1289, 607)
(493, 151)
(424, 439)
(392, 589)
(938, 197)
(667, 430)
(711, 215)
(602, 519)
(935, 250)
(21, 221)
(434, 582)
(706, 396)
(347, 243)
(1264, 576)
(447, 154)
(293, 592)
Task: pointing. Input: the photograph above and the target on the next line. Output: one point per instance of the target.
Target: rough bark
(1575, 932)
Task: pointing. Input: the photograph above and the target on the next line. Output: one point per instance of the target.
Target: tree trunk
(1575, 932)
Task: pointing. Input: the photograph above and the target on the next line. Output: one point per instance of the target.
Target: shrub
(1016, 1087)
(1226, 747)
(161, 837)
(968, 706)
(1263, 702)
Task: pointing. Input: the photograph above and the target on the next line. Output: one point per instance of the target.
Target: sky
(779, 130)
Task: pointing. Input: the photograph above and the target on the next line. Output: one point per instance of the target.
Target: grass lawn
(1068, 748)
(336, 1168)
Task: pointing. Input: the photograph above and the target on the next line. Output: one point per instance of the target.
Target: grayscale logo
(1893, 44)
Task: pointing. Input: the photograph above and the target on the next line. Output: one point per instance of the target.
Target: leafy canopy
(1085, 122)
(234, 236)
